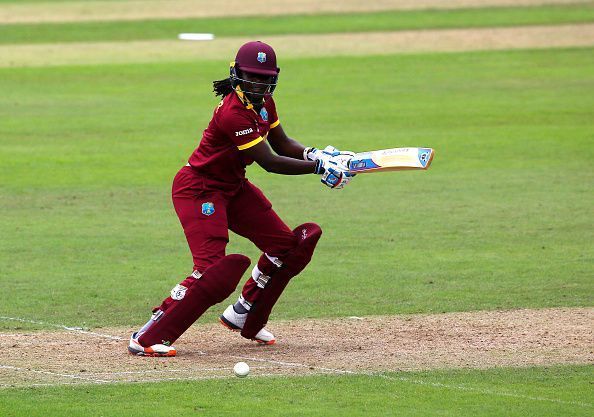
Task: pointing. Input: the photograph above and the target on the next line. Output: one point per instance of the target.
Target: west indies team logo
(264, 114)
(178, 292)
(208, 208)
(261, 57)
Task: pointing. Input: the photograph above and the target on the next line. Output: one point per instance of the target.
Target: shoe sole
(135, 352)
(236, 329)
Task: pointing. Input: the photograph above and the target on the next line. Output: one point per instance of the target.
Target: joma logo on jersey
(244, 132)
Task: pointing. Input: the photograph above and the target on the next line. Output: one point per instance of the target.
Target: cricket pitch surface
(353, 345)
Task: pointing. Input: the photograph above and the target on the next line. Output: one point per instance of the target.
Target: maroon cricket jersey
(234, 127)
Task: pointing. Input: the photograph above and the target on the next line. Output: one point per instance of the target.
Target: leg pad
(215, 285)
(293, 263)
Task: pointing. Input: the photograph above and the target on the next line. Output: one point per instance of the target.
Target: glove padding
(334, 172)
(313, 154)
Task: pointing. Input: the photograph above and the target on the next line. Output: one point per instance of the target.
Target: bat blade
(395, 159)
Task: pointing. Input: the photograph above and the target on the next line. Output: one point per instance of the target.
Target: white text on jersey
(244, 132)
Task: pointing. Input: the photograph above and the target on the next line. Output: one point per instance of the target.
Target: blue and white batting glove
(313, 154)
(334, 174)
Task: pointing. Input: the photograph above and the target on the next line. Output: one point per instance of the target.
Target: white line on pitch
(295, 365)
(142, 381)
(156, 371)
(17, 369)
(58, 384)
(61, 326)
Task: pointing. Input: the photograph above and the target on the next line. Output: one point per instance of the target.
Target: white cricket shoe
(235, 321)
(135, 348)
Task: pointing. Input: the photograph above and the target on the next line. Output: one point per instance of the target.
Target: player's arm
(278, 164)
(284, 145)
(334, 174)
(333, 171)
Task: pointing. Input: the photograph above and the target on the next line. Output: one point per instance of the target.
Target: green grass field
(501, 392)
(502, 220)
(499, 221)
(306, 24)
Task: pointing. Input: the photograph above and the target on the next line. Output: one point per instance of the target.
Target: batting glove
(313, 154)
(334, 174)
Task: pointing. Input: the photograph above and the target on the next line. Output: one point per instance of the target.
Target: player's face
(256, 86)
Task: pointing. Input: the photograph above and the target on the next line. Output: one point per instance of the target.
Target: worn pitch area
(346, 345)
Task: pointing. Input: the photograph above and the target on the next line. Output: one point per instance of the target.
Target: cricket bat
(396, 159)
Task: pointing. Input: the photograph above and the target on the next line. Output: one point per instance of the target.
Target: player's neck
(243, 97)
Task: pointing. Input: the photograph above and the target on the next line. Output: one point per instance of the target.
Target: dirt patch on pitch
(347, 345)
(302, 46)
(81, 11)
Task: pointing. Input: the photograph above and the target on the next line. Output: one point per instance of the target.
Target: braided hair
(222, 87)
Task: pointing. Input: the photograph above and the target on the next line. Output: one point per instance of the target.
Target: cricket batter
(211, 196)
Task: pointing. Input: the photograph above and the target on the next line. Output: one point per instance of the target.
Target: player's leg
(213, 286)
(207, 235)
(281, 248)
(250, 315)
(293, 263)
(265, 229)
(204, 221)
(250, 215)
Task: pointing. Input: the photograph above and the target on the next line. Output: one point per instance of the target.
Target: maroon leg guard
(295, 261)
(216, 283)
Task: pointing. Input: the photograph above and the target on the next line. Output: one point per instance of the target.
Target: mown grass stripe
(310, 24)
(297, 46)
(544, 391)
(105, 10)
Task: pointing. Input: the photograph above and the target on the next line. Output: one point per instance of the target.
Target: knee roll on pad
(293, 263)
(297, 259)
(216, 283)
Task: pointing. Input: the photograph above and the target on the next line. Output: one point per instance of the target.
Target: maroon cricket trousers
(208, 209)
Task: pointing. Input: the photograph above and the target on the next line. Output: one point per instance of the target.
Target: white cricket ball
(241, 369)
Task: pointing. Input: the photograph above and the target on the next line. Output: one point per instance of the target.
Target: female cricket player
(211, 196)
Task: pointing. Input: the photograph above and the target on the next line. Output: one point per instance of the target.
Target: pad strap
(260, 278)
